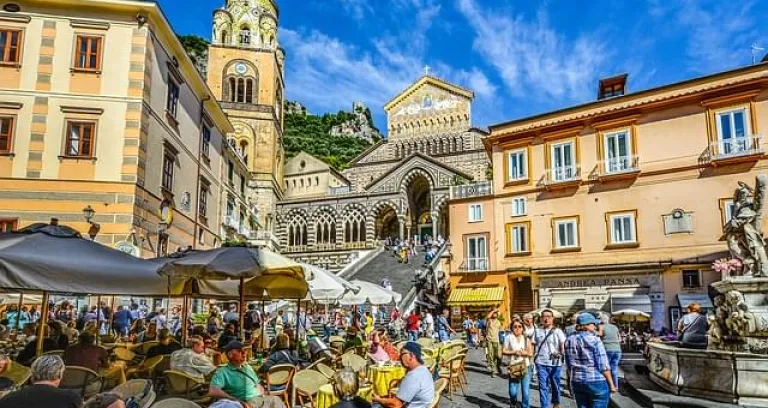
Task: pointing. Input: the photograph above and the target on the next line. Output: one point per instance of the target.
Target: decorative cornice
(89, 24)
(14, 17)
(82, 110)
(11, 105)
(429, 79)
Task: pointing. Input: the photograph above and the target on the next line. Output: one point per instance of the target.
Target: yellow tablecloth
(326, 398)
(381, 376)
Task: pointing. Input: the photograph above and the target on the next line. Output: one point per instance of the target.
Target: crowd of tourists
(405, 250)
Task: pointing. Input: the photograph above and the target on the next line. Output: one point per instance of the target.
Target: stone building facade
(397, 188)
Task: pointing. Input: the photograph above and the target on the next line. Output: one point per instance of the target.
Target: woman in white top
(520, 350)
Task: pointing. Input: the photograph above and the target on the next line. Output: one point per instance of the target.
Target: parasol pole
(111, 316)
(296, 332)
(241, 291)
(98, 319)
(43, 323)
(18, 311)
(184, 321)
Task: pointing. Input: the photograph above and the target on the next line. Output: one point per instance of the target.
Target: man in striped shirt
(588, 368)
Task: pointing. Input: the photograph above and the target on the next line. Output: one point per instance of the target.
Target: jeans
(613, 360)
(592, 394)
(413, 335)
(521, 386)
(470, 340)
(549, 384)
(443, 335)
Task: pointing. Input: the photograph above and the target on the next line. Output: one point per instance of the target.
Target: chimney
(613, 86)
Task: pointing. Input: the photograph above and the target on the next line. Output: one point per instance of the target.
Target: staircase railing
(352, 269)
(438, 280)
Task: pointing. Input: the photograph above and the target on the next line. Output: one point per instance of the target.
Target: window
(566, 233)
(231, 173)
(241, 90)
(6, 134)
(88, 53)
(727, 207)
(245, 36)
(8, 225)
(80, 139)
(691, 279)
(563, 162)
(10, 46)
(475, 212)
(206, 148)
(242, 185)
(477, 254)
(618, 151)
(172, 104)
(622, 228)
(230, 208)
(519, 206)
(517, 162)
(203, 203)
(733, 131)
(169, 161)
(518, 238)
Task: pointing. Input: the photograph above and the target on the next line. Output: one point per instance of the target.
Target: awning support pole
(18, 312)
(43, 324)
(185, 320)
(241, 310)
(98, 319)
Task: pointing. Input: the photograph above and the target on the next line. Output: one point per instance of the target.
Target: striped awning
(483, 296)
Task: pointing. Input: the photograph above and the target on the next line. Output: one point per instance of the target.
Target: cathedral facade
(398, 188)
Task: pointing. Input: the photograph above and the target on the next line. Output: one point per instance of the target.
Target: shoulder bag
(518, 368)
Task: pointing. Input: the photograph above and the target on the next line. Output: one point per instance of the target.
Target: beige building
(245, 73)
(101, 107)
(615, 204)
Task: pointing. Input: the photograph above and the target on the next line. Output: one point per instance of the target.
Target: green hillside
(310, 133)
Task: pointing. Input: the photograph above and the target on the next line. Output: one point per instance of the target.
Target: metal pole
(296, 334)
(18, 311)
(241, 290)
(111, 316)
(98, 319)
(184, 322)
(43, 323)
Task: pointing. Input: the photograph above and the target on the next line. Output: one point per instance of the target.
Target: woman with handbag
(520, 350)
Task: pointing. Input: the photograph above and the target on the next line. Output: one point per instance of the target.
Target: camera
(555, 357)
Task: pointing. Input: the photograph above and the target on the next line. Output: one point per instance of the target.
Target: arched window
(325, 229)
(354, 227)
(241, 90)
(244, 150)
(232, 82)
(297, 231)
(245, 35)
(317, 181)
(249, 90)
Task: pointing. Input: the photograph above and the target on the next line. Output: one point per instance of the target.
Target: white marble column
(658, 311)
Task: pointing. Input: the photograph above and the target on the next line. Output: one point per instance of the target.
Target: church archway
(418, 193)
(385, 222)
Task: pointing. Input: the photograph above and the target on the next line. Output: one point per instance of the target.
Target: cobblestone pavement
(487, 392)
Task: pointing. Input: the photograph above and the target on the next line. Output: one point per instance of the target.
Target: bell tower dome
(245, 73)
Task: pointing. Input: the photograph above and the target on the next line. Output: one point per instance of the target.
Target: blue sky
(520, 57)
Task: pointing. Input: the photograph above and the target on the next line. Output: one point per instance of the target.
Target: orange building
(615, 204)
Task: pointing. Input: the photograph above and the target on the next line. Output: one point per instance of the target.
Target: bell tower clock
(245, 73)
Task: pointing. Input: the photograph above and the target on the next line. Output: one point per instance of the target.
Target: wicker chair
(425, 342)
(451, 370)
(144, 370)
(143, 349)
(180, 384)
(353, 361)
(307, 383)
(18, 373)
(325, 370)
(175, 403)
(440, 385)
(279, 379)
(134, 388)
(83, 381)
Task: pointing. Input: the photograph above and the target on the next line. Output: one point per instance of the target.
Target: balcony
(619, 168)
(296, 248)
(736, 150)
(471, 265)
(353, 245)
(339, 190)
(244, 231)
(475, 189)
(562, 177)
(230, 221)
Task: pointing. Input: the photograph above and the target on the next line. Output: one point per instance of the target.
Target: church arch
(245, 35)
(354, 223)
(240, 87)
(296, 229)
(325, 228)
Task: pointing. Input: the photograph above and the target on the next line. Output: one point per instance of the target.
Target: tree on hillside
(197, 49)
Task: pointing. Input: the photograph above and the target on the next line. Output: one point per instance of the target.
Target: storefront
(623, 292)
(476, 300)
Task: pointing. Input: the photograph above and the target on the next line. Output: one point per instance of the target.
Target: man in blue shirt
(588, 367)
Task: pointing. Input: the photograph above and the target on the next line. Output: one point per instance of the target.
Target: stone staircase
(385, 264)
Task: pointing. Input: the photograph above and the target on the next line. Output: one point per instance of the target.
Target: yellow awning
(485, 296)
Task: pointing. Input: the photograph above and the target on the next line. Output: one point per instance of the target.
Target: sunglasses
(517, 326)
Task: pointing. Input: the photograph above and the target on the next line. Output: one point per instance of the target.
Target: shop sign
(456, 311)
(595, 282)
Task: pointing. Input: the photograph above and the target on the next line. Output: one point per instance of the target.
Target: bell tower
(245, 73)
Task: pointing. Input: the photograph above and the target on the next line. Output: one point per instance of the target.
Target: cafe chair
(180, 384)
(393, 385)
(337, 344)
(108, 338)
(425, 342)
(83, 381)
(307, 384)
(18, 373)
(450, 369)
(325, 370)
(440, 385)
(145, 370)
(279, 381)
(176, 403)
(353, 361)
(141, 389)
(130, 358)
(143, 349)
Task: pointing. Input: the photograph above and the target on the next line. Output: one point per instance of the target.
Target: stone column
(434, 225)
(658, 315)
(401, 223)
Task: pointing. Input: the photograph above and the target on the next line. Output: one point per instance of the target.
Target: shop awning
(469, 296)
(641, 303)
(700, 298)
(567, 303)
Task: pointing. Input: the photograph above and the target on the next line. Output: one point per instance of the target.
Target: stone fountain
(734, 367)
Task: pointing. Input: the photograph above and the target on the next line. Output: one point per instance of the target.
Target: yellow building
(100, 106)
(245, 73)
(614, 204)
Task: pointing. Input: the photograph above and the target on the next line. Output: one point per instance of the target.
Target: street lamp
(93, 230)
(88, 213)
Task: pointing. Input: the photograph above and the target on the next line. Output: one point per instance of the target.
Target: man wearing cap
(549, 343)
(238, 382)
(417, 390)
(492, 342)
(588, 366)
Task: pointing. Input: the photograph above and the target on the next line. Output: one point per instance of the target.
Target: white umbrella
(631, 313)
(325, 286)
(369, 292)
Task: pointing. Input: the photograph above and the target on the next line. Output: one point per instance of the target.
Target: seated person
(105, 400)
(281, 355)
(227, 336)
(392, 352)
(377, 351)
(87, 354)
(47, 372)
(346, 385)
(317, 348)
(29, 352)
(417, 390)
(165, 347)
(353, 340)
(193, 360)
(238, 382)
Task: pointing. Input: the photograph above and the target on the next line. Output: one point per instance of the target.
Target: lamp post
(88, 214)
(162, 237)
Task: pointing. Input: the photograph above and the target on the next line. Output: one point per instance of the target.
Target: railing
(476, 189)
(563, 174)
(738, 146)
(354, 245)
(296, 248)
(474, 265)
(325, 247)
(618, 165)
(339, 190)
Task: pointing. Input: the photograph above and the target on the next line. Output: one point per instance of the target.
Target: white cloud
(532, 58)
(358, 9)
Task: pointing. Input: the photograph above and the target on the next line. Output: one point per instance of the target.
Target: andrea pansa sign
(598, 281)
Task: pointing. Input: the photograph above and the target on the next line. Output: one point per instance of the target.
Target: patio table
(381, 376)
(326, 397)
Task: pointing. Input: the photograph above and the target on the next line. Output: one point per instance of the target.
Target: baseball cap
(233, 345)
(415, 349)
(586, 318)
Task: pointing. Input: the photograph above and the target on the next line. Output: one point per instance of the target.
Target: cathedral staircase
(385, 264)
